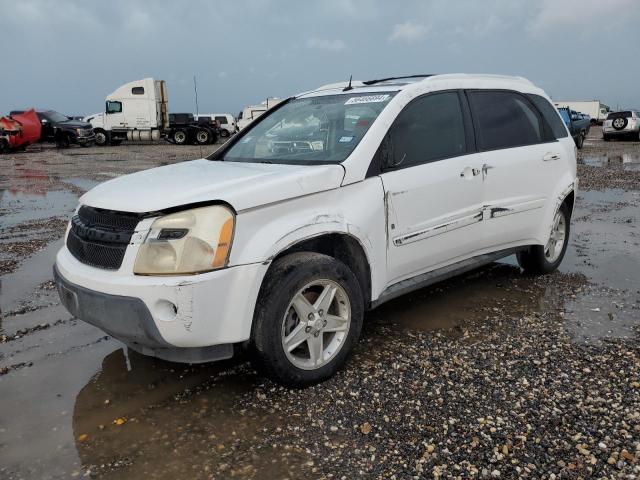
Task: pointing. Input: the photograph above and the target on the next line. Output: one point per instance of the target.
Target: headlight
(193, 241)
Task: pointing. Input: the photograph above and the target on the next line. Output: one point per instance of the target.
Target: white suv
(330, 204)
(620, 124)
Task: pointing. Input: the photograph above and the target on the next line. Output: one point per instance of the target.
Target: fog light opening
(166, 310)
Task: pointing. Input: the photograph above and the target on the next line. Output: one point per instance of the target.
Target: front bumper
(164, 316)
(85, 140)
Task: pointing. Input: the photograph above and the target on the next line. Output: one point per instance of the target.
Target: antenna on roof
(348, 87)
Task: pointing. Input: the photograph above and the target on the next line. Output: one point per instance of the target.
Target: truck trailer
(139, 111)
(597, 110)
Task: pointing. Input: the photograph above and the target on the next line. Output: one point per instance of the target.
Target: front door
(433, 187)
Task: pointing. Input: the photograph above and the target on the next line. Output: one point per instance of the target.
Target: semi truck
(597, 110)
(139, 111)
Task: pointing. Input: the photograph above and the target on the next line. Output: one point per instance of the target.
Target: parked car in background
(226, 122)
(61, 130)
(622, 124)
(336, 202)
(250, 113)
(19, 131)
(578, 125)
(596, 110)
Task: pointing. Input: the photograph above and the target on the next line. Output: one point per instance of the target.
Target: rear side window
(222, 120)
(550, 116)
(504, 120)
(430, 128)
(137, 91)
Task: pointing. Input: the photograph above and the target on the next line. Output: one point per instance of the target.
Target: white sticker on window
(366, 99)
(345, 139)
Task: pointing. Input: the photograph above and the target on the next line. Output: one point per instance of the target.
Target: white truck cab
(332, 203)
(136, 111)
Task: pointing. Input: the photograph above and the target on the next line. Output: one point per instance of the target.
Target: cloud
(552, 14)
(408, 32)
(324, 44)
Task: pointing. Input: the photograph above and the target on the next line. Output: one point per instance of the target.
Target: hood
(73, 124)
(242, 185)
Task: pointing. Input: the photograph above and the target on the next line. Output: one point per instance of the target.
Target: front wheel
(307, 319)
(102, 137)
(538, 259)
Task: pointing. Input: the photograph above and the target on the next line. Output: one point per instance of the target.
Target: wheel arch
(341, 246)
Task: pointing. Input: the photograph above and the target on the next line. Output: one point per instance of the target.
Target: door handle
(485, 170)
(551, 157)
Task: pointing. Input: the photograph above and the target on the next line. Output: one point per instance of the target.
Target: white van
(331, 204)
(226, 121)
(250, 113)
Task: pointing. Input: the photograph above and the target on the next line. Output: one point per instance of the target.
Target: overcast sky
(68, 55)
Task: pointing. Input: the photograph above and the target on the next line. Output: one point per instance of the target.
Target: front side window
(114, 107)
(55, 117)
(504, 120)
(310, 131)
(429, 128)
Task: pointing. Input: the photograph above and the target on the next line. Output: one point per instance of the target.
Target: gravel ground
(491, 375)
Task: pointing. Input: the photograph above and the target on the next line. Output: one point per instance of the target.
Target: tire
(63, 141)
(580, 141)
(224, 133)
(102, 138)
(536, 259)
(305, 276)
(4, 146)
(620, 123)
(203, 136)
(179, 137)
(606, 138)
(114, 142)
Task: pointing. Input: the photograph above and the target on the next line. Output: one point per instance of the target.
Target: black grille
(100, 237)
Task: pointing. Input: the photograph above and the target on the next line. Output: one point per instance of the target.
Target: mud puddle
(626, 161)
(19, 206)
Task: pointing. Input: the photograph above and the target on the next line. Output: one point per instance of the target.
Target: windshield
(55, 116)
(310, 130)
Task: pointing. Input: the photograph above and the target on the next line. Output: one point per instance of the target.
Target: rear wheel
(307, 319)
(580, 141)
(203, 137)
(224, 133)
(538, 259)
(179, 137)
(4, 146)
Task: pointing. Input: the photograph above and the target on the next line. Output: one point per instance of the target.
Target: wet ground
(491, 374)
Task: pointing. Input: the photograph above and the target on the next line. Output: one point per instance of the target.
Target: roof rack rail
(373, 82)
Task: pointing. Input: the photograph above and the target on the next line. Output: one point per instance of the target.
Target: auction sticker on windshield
(366, 99)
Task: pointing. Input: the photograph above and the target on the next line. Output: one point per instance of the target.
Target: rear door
(520, 159)
(433, 186)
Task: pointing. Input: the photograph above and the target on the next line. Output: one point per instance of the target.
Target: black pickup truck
(577, 123)
(61, 130)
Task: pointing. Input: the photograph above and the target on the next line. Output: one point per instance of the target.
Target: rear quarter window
(550, 116)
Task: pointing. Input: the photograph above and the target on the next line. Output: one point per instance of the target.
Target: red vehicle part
(19, 130)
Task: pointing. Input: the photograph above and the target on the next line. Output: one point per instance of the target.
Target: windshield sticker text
(367, 99)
